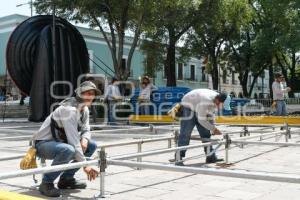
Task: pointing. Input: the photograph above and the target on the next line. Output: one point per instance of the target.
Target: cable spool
(29, 60)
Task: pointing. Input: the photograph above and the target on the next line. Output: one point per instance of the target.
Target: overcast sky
(8, 7)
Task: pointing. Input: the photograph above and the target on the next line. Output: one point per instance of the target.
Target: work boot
(180, 162)
(49, 190)
(213, 159)
(70, 183)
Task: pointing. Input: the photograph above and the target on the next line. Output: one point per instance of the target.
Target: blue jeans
(281, 108)
(60, 153)
(144, 109)
(111, 112)
(186, 129)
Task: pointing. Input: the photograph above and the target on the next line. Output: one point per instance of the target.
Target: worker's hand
(117, 97)
(216, 132)
(288, 89)
(84, 144)
(91, 172)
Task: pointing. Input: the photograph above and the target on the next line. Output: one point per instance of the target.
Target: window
(180, 71)
(192, 73)
(203, 74)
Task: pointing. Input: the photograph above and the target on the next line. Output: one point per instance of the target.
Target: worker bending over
(65, 136)
(197, 109)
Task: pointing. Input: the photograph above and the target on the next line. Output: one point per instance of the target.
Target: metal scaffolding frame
(123, 160)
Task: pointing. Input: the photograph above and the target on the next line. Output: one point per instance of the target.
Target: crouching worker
(198, 107)
(64, 137)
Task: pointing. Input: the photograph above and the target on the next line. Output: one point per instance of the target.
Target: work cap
(86, 86)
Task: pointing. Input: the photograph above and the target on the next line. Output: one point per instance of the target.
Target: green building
(190, 74)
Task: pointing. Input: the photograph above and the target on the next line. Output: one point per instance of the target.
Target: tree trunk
(293, 79)
(215, 72)
(252, 85)
(247, 63)
(244, 83)
(271, 80)
(171, 58)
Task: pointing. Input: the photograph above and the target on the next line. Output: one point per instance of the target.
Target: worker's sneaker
(49, 190)
(180, 163)
(213, 159)
(70, 183)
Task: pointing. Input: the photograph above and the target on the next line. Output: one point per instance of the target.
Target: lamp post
(28, 3)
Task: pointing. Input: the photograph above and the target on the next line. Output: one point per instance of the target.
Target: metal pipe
(135, 142)
(256, 136)
(101, 146)
(143, 141)
(155, 152)
(118, 130)
(267, 143)
(11, 157)
(169, 143)
(8, 130)
(227, 144)
(139, 150)
(15, 127)
(277, 177)
(102, 165)
(20, 173)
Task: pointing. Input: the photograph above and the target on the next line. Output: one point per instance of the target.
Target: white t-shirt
(201, 102)
(112, 91)
(145, 93)
(278, 90)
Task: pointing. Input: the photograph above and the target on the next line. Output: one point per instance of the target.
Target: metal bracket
(227, 145)
(246, 131)
(102, 164)
(227, 141)
(176, 137)
(151, 128)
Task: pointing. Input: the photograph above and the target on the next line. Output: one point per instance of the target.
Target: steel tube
(125, 129)
(15, 127)
(277, 177)
(20, 173)
(10, 130)
(267, 143)
(155, 152)
(12, 157)
(256, 136)
(101, 146)
(135, 142)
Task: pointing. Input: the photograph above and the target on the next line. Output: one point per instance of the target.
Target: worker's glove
(29, 160)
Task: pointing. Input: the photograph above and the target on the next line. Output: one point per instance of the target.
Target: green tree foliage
(168, 22)
(111, 17)
(218, 21)
(153, 61)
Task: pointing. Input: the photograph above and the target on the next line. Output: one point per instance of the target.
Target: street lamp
(28, 3)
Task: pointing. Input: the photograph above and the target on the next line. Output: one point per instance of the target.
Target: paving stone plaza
(132, 183)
